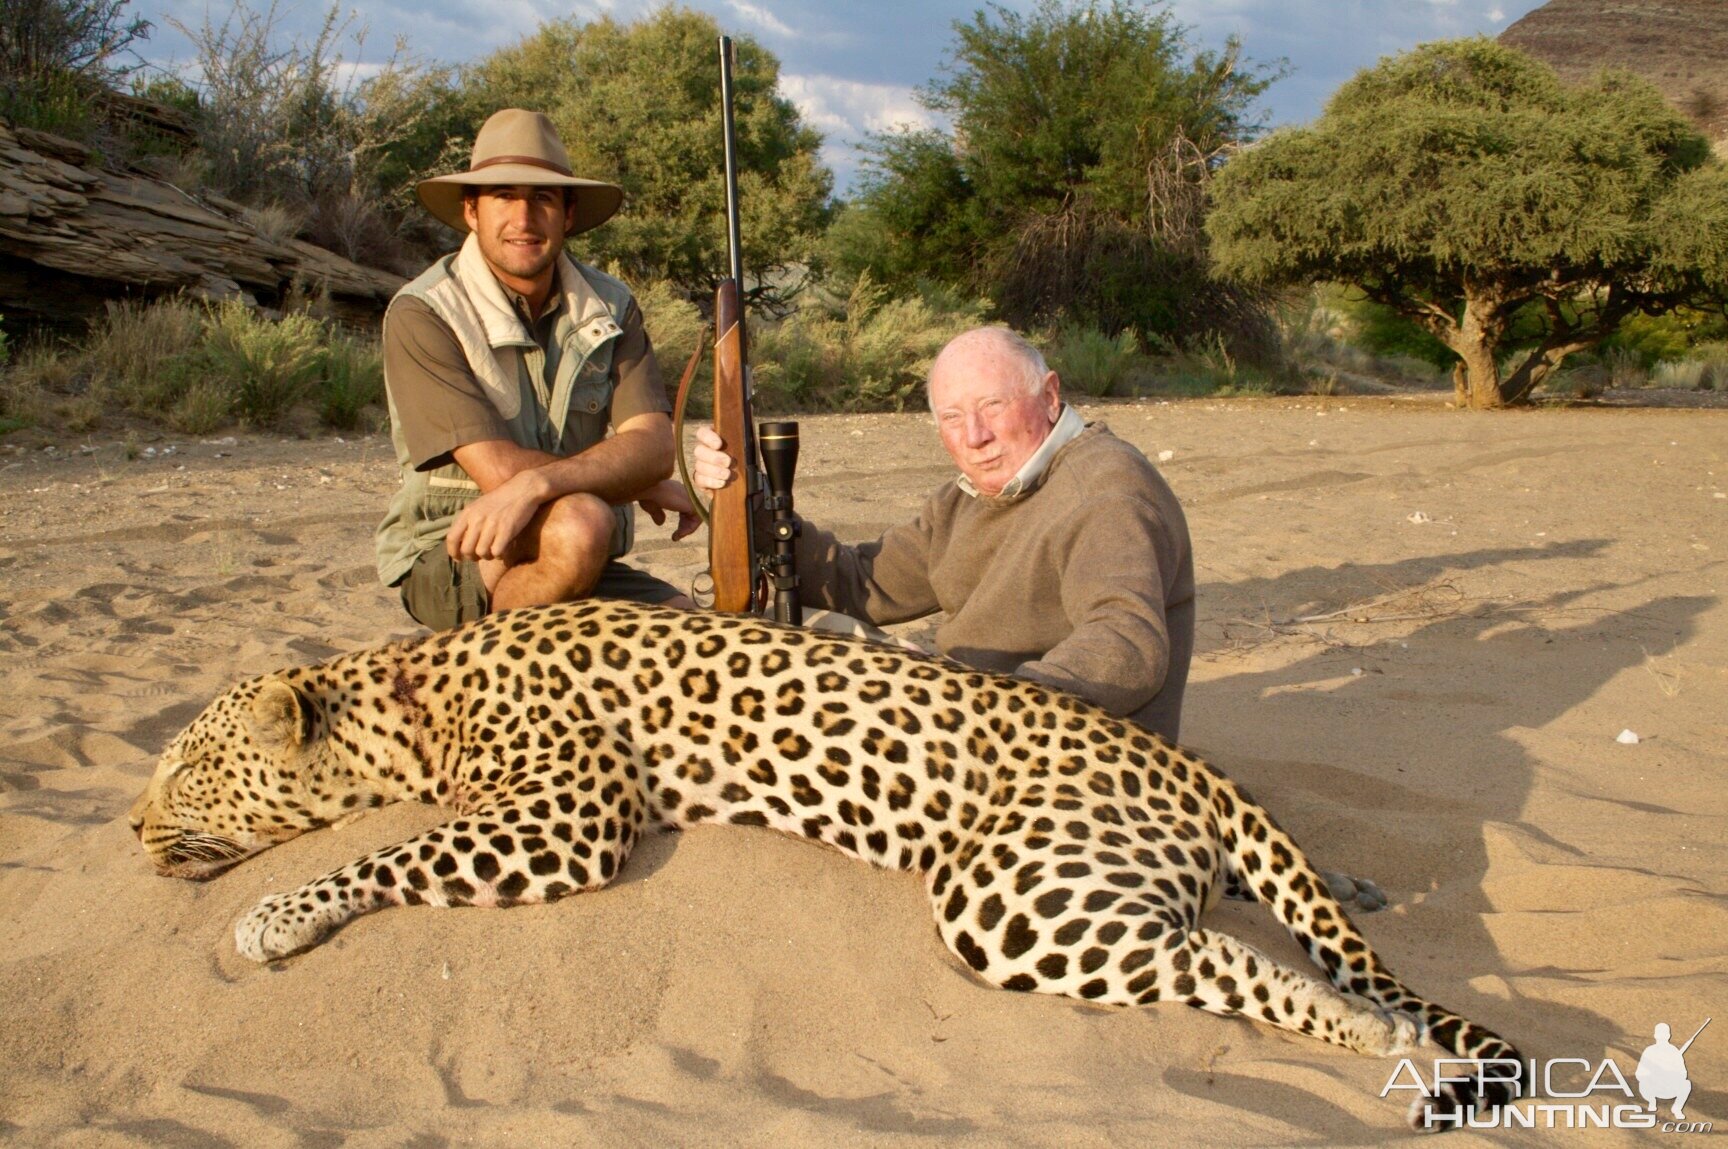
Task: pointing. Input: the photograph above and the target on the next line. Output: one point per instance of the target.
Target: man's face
(989, 424)
(521, 230)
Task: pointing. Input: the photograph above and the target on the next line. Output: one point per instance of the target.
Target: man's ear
(281, 715)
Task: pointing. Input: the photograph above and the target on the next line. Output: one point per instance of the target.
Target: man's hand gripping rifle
(751, 530)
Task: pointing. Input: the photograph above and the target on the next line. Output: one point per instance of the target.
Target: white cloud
(846, 109)
(762, 18)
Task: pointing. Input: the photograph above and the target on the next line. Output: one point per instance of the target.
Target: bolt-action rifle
(751, 529)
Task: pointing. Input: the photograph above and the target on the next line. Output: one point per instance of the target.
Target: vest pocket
(447, 490)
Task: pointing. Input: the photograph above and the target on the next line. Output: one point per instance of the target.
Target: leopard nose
(135, 816)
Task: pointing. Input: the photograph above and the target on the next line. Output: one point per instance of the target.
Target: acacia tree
(1462, 183)
(1069, 181)
(639, 104)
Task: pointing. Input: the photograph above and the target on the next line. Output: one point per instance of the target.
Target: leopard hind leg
(1271, 863)
(1100, 927)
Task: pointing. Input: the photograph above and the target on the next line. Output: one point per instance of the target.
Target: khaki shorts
(441, 593)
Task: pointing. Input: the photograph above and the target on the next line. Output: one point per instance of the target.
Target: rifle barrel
(734, 242)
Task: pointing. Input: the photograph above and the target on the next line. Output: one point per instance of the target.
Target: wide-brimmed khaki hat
(519, 147)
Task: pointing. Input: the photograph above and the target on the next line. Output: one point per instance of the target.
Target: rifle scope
(778, 443)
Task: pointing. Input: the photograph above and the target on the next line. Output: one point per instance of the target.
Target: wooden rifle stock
(731, 528)
(751, 515)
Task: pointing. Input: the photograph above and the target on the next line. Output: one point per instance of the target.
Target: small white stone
(1418, 517)
(1627, 738)
(1166, 456)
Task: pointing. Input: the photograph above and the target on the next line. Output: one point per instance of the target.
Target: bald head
(995, 401)
(1001, 349)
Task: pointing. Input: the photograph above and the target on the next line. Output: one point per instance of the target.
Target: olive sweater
(1084, 582)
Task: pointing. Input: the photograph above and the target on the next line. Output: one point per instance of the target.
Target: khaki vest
(508, 364)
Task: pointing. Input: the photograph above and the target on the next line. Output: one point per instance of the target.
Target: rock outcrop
(1681, 46)
(74, 235)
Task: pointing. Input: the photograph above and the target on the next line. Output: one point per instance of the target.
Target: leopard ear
(281, 715)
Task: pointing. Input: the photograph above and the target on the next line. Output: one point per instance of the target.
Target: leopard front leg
(509, 854)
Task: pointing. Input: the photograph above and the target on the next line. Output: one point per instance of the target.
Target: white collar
(1068, 425)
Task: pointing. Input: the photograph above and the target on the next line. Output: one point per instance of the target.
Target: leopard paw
(280, 925)
(1356, 895)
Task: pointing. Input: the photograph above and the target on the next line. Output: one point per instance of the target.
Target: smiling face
(993, 407)
(521, 230)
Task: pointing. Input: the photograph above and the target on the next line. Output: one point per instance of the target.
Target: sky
(853, 68)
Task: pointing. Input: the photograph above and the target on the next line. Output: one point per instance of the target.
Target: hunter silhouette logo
(1554, 1094)
(1662, 1071)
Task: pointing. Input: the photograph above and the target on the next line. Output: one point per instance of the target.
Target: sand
(1421, 632)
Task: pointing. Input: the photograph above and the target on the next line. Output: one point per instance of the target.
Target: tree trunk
(1475, 346)
(1477, 378)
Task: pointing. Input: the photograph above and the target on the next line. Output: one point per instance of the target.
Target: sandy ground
(1421, 632)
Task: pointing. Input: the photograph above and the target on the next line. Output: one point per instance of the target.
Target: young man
(504, 365)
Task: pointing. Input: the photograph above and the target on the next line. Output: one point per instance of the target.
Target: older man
(1059, 554)
(504, 365)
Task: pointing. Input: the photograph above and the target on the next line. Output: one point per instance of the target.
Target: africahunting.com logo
(1545, 1099)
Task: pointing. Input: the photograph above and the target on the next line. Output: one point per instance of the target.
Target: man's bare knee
(576, 527)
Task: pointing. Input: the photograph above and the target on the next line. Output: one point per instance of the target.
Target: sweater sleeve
(1120, 565)
(881, 582)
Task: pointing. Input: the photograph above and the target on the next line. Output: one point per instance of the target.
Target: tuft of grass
(1706, 369)
(351, 380)
(34, 373)
(1090, 361)
(269, 367)
(274, 223)
(202, 408)
(146, 355)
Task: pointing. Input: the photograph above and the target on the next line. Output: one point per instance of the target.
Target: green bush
(866, 352)
(203, 407)
(1672, 335)
(675, 325)
(351, 380)
(268, 367)
(1090, 361)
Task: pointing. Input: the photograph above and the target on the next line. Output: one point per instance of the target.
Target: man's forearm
(614, 469)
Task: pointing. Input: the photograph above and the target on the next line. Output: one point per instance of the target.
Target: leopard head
(235, 782)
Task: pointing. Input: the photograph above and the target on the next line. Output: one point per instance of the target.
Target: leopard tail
(1269, 865)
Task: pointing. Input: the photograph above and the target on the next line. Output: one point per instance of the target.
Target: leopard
(1064, 851)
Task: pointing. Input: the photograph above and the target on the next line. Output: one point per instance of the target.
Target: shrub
(675, 326)
(55, 55)
(1705, 370)
(274, 223)
(204, 406)
(351, 380)
(866, 352)
(1090, 361)
(1625, 367)
(268, 367)
(145, 354)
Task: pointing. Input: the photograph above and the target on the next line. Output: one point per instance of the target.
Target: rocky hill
(74, 234)
(1681, 46)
